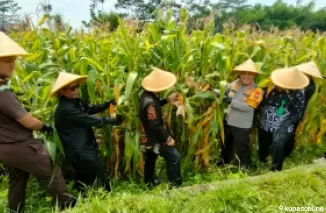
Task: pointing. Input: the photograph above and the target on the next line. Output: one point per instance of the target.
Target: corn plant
(116, 62)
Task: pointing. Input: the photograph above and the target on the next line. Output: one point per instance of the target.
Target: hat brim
(275, 80)
(78, 80)
(10, 48)
(159, 80)
(154, 88)
(253, 72)
(312, 75)
(15, 55)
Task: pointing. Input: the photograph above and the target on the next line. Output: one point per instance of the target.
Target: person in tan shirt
(21, 154)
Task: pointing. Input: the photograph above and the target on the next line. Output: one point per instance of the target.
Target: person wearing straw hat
(282, 108)
(19, 151)
(311, 70)
(155, 138)
(243, 97)
(73, 120)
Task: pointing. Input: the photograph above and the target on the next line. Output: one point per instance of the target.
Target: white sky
(74, 11)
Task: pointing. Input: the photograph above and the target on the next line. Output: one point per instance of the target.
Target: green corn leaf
(130, 83)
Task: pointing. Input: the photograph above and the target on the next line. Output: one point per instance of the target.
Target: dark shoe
(72, 202)
(220, 162)
(244, 168)
(276, 167)
(155, 182)
(176, 184)
(263, 160)
(172, 186)
(107, 187)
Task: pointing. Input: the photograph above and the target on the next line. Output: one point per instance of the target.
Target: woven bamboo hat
(8, 47)
(310, 69)
(158, 80)
(247, 66)
(289, 78)
(65, 79)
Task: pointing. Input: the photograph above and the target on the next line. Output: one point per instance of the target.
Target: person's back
(146, 99)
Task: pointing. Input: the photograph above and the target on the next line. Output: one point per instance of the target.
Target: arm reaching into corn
(84, 119)
(94, 109)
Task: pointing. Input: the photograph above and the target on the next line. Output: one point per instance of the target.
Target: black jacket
(74, 119)
(150, 115)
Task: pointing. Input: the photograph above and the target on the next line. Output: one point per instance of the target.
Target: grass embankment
(223, 191)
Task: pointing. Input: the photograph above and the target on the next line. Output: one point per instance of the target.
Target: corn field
(116, 62)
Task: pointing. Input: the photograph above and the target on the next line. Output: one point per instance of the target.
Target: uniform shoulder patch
(151, 112)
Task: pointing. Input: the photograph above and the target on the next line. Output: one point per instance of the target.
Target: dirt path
(305, 169)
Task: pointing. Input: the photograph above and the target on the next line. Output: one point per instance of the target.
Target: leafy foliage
(8, 10)
(202, 60)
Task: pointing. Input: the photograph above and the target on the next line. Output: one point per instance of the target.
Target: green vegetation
(301, 186)
(116, 62)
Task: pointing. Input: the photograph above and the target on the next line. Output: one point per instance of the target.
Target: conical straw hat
(65, 79)
(289, 78)
(247, 66)
(158, 80)
(10, 48)
(310, 69)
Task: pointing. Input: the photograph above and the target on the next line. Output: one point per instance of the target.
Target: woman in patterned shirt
(282, 108)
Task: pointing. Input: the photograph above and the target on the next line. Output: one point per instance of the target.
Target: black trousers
(173, 161)
(237, 141)
(89, 170)
(279, 151)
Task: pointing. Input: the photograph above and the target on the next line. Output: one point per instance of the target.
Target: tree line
(279, 15)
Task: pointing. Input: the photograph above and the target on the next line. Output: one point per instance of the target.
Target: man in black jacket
(74, 120)
(155, 138)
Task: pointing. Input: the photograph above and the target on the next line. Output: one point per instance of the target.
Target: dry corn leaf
(191, 83)
(205, 88)
(181, 100)
(206, 146)
(112, 110)
(203, 150)
(141, 164)
(181, 110)
(322, 132)
(99, 86)
(116, 92)
(117, 152)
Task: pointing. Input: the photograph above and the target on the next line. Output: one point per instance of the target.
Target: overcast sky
(74, 14)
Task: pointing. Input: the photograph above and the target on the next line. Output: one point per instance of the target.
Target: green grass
(299, 187)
